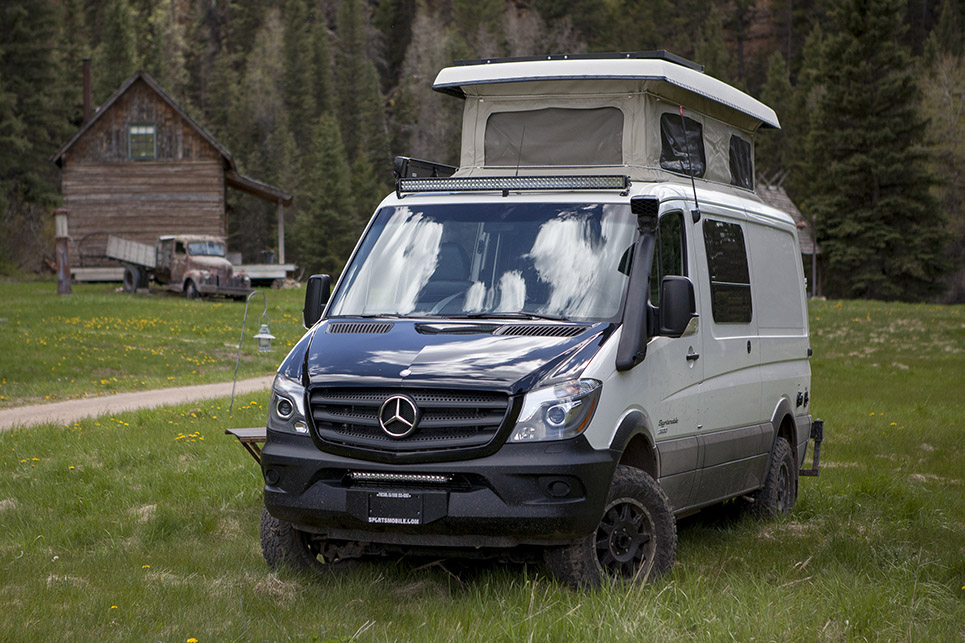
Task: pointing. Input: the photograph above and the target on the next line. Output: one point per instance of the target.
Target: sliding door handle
(693, 357)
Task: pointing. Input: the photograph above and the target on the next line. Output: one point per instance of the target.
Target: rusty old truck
(192, 264)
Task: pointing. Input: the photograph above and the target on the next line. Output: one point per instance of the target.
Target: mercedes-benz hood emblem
(399, 416)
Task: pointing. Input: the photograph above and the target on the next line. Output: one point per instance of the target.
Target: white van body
(691, 388)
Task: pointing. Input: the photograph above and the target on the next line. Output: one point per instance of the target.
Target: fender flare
(782, 410)
(635, 424)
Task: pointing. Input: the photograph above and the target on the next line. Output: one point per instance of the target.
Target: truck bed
(139, 254)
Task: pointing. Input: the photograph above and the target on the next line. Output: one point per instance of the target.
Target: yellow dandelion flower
(145, 567)
(192, 640)
(113, 607)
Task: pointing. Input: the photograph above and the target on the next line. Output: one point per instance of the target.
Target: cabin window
(555, 136)
(730, 282)
(142, 141)
(741, 163)
(680, 152)
(669, 257)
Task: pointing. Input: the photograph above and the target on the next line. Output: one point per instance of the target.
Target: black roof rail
(659, 54)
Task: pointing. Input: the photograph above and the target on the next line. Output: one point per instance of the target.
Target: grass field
(144, 526)
(98, 341)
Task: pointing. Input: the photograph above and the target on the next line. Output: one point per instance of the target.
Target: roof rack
(659, 54)
(506, 184)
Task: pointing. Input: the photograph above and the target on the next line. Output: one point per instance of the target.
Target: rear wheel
(132, 278)
(779, 493)
(635, 541)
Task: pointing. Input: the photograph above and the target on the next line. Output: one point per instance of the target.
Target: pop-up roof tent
(609, 113)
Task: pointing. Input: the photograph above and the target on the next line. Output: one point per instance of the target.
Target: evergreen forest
(318, 96)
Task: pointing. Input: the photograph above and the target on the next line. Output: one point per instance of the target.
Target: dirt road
(74, 410)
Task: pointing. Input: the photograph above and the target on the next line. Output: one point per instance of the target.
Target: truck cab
(591, 327)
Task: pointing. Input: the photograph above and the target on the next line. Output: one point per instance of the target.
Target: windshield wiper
(509, 315)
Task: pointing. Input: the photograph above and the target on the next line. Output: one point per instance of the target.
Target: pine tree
(773, 153)
(35, 111)
(116, 57)
(299, 70)
(326, 228)
(164, 51)
(880, 228)
(710, 50)
(944, 104)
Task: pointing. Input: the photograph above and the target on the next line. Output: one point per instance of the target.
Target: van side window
(730, 283)
(670, 256)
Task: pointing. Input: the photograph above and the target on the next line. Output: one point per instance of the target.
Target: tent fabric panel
(555, 136)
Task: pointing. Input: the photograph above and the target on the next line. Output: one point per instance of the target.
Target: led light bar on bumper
(512, 183)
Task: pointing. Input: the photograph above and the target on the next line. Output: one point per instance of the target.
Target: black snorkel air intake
(636, 314)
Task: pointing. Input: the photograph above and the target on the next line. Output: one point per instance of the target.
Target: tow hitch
(817, 434)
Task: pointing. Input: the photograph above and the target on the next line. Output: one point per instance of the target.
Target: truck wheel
(635, 541)
(132, 278)
(777, 496)
(190, 290)
(283, 545)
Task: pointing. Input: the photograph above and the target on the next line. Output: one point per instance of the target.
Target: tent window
(674, 146)
(555, 136)
(741, 164)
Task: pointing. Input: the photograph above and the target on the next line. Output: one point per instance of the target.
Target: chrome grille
(450, 419)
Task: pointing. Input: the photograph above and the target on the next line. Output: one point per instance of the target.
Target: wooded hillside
(317, 96)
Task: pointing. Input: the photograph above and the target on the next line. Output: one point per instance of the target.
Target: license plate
(395, 508)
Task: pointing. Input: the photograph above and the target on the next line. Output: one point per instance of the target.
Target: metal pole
(264, 313)
(62, 249)
(281, 233)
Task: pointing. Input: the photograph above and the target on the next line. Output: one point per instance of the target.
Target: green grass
(98, 341)
(139, 512)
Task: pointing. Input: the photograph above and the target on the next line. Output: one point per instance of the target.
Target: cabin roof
(232, 176)
(103, 109)
(627, 70)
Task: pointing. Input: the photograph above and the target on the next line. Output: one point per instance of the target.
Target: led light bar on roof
(512, 183)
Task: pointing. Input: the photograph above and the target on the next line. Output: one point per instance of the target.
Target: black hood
(512, 357)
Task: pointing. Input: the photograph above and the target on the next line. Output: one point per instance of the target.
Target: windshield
(552, 260)
(206, 249)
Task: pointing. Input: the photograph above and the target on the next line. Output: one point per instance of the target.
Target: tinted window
(730, 284)
(741, 164)
(680, 152)
(669, 257)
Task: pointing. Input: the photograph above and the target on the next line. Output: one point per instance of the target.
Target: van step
(817, 434)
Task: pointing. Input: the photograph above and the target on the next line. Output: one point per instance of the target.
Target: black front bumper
(540, 493)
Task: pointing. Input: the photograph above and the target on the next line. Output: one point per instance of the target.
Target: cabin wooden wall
(181, 191)
(140, 201)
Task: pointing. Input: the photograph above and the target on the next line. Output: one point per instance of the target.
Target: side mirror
(677, 305)
(316, 297)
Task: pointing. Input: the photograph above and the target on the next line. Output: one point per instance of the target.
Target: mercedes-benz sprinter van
(591, 327)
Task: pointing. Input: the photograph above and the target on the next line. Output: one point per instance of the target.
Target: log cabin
(141, 167)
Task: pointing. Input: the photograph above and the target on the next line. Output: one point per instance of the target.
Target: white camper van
(591, 327)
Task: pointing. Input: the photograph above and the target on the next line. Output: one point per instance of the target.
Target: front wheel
(635, 541)
(285, 546)
(190, 290)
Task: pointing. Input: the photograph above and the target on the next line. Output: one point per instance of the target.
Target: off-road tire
(779, 493)
(283, 545)
(635, 542)
(191, 291)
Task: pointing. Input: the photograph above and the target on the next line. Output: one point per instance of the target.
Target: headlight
(287, 409)
(557, 412)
